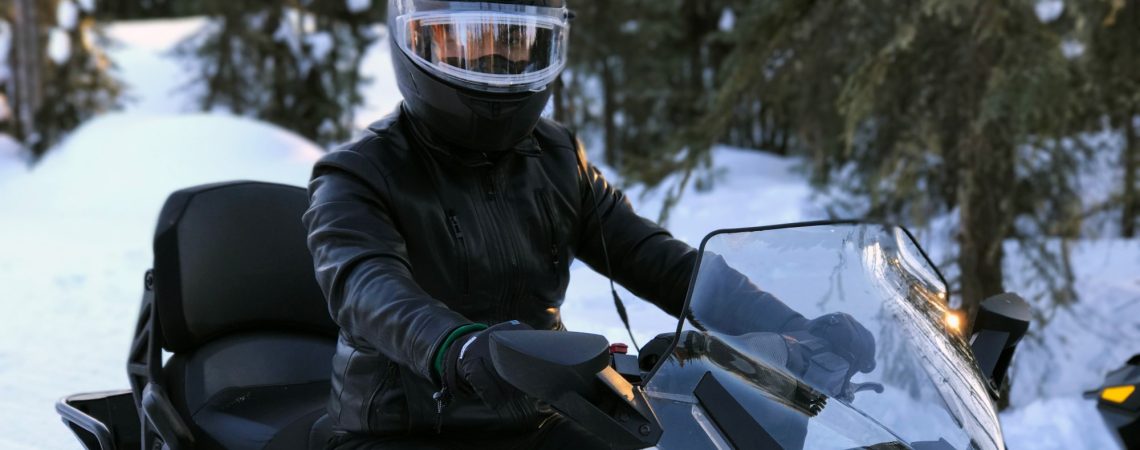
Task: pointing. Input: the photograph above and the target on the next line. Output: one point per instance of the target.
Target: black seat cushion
(264, 417)
(230, 257)
(254, 390)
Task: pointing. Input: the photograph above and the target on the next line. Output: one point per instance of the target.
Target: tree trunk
(1130, 161)
(26, 88)
(986, 173)
(609, 110)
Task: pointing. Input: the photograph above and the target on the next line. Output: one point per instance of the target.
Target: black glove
(468, 370)
(847, 338)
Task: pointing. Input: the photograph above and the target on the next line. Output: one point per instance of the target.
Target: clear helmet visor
(484, 46)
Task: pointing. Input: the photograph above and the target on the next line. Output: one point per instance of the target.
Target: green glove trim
(442, 353)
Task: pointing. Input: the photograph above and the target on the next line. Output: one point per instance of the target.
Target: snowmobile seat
(233, 297)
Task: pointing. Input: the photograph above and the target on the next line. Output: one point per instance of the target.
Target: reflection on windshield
(833, 336)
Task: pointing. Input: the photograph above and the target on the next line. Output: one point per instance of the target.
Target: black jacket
(412, 239)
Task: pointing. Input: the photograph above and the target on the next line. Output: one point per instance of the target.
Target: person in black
(459, 215)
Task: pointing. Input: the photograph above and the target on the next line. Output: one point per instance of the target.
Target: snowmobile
(1119, 403)
(234, 343)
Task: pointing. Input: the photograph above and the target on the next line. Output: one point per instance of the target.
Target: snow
(155, 80)
(1056, 424)
(88, 6)
(320, 44)
(156, 36)
(1072, 48)
(358, 6)
(59, 46)
(727, 20)
(75, 235)
(67, 15)
(1071, 352)
(1049, 10)
(12, 162)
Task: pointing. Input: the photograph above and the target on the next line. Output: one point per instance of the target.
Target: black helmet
(476, 73)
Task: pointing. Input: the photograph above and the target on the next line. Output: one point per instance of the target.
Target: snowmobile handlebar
(572, 373)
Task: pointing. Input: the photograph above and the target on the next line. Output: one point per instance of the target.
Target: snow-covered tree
(52, 69)
(295, 64)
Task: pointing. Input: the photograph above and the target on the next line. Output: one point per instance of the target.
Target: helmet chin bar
(473, 120)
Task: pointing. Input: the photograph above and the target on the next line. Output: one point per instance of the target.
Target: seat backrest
(231, 257)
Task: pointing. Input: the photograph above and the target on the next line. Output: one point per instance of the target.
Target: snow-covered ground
(75, 235)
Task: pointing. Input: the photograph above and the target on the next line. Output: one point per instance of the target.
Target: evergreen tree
(649, 64)
(146, 9)
(53, 70)
(1111, 30)
(918, 110)
(293, 64)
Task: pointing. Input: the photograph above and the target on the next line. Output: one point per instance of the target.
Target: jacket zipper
(457, 233)
(391, 372)
(496, 209)
(548, 214)
(442, 399)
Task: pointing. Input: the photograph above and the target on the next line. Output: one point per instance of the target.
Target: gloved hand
(845, 337)
(468, 370)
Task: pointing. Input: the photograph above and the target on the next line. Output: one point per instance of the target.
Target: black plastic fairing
(1001, 323)
(571, 372)
(737, 425)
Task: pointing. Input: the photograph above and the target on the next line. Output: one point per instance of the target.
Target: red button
(619, 348)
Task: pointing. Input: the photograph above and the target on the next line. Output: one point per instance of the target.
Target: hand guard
(468, 370)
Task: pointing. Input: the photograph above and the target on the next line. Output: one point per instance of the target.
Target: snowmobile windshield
(742, 370)
(491, 47)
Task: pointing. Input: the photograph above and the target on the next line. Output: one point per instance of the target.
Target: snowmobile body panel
(1118, 401)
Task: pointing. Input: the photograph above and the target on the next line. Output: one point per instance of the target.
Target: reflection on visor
(487, 50)
(500, 49)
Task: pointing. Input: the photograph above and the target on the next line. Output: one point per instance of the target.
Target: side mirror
(1001, 323)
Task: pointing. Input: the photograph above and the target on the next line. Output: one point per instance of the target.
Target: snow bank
(1075, 346)
(75, 239)
(1056, 424)
(157, 35)
(12, 162)
(154, 80)
(125, 165)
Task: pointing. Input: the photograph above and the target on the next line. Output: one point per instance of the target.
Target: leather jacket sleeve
(648, 261)
(735, 304)
(645, 258)
(363, 268)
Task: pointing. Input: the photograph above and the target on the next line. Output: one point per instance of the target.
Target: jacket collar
(528, 146)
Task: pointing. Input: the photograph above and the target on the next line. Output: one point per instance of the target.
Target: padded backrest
(231, 257)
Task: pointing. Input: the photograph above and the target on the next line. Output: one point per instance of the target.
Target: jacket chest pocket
(555, 237)
(462, 248)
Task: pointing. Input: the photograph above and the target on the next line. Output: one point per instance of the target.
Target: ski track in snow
(75, 239)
